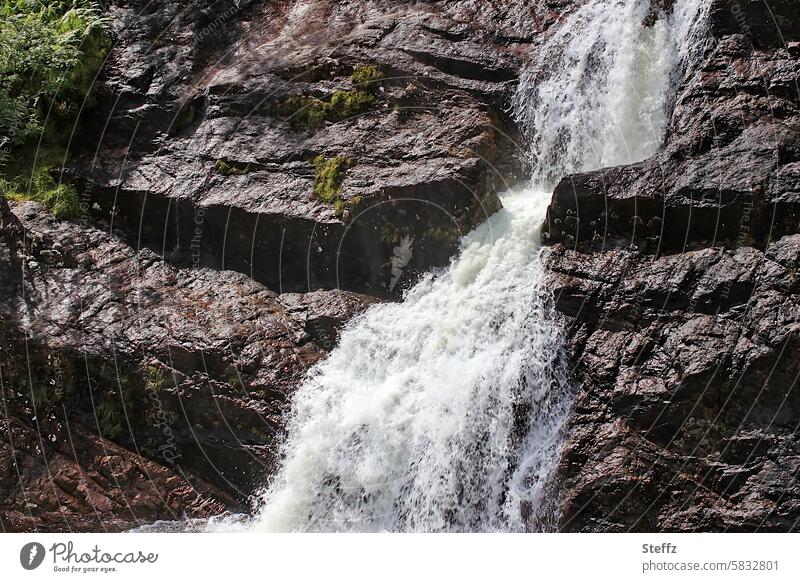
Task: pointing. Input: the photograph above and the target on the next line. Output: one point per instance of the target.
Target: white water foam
(439, 413)
(603, 85)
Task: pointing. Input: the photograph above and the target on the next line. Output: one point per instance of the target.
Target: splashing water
(436, 413)
(600, 93)
(447, 412)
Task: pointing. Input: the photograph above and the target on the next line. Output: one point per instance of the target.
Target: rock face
(677, 280)
(81, 482)
(215, 112)
(189, 367)
(249, 168)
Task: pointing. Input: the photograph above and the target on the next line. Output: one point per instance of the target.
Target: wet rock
(324, 313)
(685, 418)
(728, 171)
(677, 280)
(681, 360)
(190, 367)
(770, 24)
(86, 483)
(207, 151)
(177, 317)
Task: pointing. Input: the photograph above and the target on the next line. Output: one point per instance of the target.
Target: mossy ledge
(312, 112)
(58, 197)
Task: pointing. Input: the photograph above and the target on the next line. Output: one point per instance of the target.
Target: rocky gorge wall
(257, 173)
(677, 277)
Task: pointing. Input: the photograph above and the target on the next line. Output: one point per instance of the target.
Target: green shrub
(50, 52)
(60, 198)
(44, 393)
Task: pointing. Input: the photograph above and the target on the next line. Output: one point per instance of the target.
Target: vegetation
(60, 198)
(366, 77)
(50, 52)
(389, 234)
(227, 168)
(43, 393)
(109, 424)
(155, 379)
(299, 110)
(449, 233)
(311, 112)
(328, 177)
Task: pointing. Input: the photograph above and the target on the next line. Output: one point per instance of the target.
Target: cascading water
(601, 90)
(446, 412)
(438, 413)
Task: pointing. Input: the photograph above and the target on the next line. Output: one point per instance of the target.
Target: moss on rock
(312, 112)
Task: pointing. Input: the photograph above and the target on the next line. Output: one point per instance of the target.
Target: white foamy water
(601, 90)
(447, 412)
(437, 413)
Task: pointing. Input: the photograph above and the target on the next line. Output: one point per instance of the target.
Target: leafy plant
(108, 421)
(155, 379)
(44, 393)
(50, 52)
(49, 55)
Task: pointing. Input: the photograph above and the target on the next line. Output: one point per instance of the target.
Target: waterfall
(437, 413)
(602, 87)
(447, 412)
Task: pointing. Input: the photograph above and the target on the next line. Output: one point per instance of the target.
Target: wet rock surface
(677, 279)
(82, 482)
(728, 172)
(215, 112)
(191, 368)
(238, 162)
(149, 351)
(686, 418)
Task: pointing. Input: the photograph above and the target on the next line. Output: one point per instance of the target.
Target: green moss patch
(329, 173)
(328, 177)
(227, 168)
(311, 112)
(366, 77)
